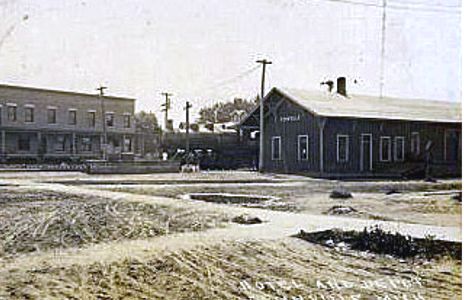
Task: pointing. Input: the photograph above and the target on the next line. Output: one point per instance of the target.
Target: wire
(431, 5)
(423, 9)
(355, 3)
(233, 79)
(400, 6)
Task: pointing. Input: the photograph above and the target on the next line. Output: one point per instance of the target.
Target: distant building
(40, 124)
(334, 134)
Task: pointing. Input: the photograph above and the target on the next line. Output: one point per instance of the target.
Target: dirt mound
(340, 193)
(384, 242)
(247, 220)
(341, 210)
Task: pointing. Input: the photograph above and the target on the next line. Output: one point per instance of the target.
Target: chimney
(329, 84)
(341, 86)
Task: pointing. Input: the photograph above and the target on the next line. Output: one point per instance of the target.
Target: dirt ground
(75, 236)
(413, 202)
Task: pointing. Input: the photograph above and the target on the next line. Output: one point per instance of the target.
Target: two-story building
(40, 124)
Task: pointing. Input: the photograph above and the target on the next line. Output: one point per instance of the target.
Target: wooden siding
(433, 132)
(287, 119)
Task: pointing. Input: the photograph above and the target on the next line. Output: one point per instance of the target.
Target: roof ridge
(49, 90)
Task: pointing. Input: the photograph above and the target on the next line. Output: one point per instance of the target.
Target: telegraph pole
(187, 129)
(167, 107)
(105, 135)
(382, 47)
(261, 114)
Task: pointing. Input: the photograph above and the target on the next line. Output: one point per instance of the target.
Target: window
(60, 143)
(109, 119)
(51, 116)
(276, 148)
(303, 147)
(415, 143)
(29, 114)
(11, 113)
(86, 144)
(343, 148)
(24, 143)
(72, 117)
(127, 121)
(399, 148)
(385, 148)
(127, 145)
(91, 118)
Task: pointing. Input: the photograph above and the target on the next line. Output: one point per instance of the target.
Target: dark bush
(378, 241)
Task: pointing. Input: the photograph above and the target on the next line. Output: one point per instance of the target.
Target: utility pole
(261, 114)
(167, 107)
(382, 47)
(105, 135)
(187, 128)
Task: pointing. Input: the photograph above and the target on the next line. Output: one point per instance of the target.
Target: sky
(204, 51)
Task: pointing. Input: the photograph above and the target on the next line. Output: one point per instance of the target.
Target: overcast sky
(202, 50)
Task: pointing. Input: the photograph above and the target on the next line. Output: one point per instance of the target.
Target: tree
(223, 112)
(147, 122)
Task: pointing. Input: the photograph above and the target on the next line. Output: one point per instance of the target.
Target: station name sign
(290, 118)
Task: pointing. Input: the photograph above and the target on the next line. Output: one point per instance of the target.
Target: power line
(426, 8)
(431, 5)
(355, 3)
(233, 79)
(228, 82)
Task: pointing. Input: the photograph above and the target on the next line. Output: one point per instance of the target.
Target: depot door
(365, 161)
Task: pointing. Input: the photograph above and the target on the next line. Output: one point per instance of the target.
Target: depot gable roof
(372, 107)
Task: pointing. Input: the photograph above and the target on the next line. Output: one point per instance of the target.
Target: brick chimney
(341, 86)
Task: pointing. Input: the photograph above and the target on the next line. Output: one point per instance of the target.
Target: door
(452, 145)
(366, 152)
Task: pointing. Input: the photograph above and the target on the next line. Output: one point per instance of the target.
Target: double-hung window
(72, 117)
(343, 148)
(91, 118)
(385, 148)
(303, 147)
(11, 112)
(399, 148)
(109, 119)
(51, 115)
(29, 114)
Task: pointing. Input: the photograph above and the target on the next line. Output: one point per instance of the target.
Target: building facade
(336, 135)
(42, 125)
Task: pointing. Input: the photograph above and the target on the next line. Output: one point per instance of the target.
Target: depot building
(336, 134)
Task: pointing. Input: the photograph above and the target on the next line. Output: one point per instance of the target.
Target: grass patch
(378, 241)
